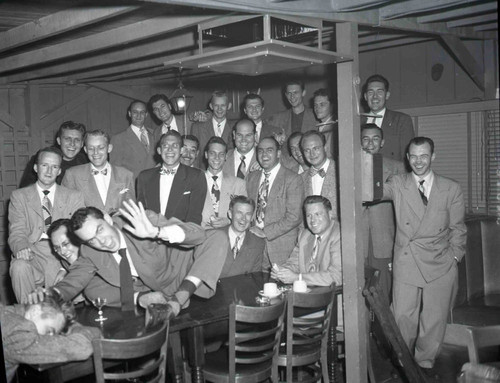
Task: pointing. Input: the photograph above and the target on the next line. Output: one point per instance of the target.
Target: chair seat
(480, 311)
(216, 367)
(302, 355)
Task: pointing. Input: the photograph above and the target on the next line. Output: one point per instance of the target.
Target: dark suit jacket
(283, 212)
(329, 189)
(204, 131)
(229, 167)
(268, 130)
(427, 238)
(121, 186)
(187, 196)
(129, 152)
(26, 222)
(249, 258)
(378, 217)
(398, 131)
(283, 120)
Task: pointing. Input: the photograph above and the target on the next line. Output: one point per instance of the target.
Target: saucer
(261, 293)
(304, 292)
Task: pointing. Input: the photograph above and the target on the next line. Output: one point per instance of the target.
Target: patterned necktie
(126, 283)
(166, 172)
(219, 132)
(315, 171)
(262, 198)
(215, 195)
(421, 190)
(242, 169)
(46, 210)
(312, 262)
(103, 172)
(235, 248)
(144, 138)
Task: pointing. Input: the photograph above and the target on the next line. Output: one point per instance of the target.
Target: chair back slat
(253, 346)
(153, 344)
(479, 337)
(307, 323)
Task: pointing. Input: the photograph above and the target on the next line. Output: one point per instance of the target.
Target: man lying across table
(140, 269)
(317, 253)
(34, 334)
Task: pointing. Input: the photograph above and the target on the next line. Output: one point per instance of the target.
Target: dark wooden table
(241, 289)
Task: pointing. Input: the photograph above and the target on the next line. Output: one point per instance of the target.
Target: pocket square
(124, 190)
(187, 192)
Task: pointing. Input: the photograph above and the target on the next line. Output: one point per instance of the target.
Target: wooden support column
(350, 205)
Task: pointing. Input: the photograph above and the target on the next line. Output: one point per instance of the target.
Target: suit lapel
(308, 182)
(277, 186)
(328, 183)
(89, 179)
(154, 191)
(413, 197)
(176, 190)
(34, 200)
(60, 202)
(387, 120)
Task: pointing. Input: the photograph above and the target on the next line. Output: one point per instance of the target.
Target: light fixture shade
(180, 99)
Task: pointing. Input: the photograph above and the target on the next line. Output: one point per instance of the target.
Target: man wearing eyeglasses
(378, 217)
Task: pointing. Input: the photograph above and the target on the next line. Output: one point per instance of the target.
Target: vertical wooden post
(350, 205)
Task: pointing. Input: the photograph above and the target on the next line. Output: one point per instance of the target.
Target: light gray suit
(230, 186)
(129, 152)
(283, 212)
(26, 225)
(425, 269)
(329, 188)
(121, 186)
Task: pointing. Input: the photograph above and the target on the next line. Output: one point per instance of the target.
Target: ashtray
(263, 300)
(261, 293)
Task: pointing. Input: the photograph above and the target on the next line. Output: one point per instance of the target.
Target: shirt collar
(215, 122)
(381, 112)
(232, 236)
(273, 171)
(107, 166)
(248, 156)
(52, 189)
(136, 129)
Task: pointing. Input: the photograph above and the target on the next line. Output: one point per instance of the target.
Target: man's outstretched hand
(139, 223)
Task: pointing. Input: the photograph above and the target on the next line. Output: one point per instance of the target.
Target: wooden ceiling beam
(467, 21)
(459, 12)
(487, 27)
(465, 59)
(57, 23)
(98, 63)
(111, 39)
(413, 7)
(393, 43)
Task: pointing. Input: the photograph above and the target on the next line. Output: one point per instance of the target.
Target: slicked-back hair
(157, 97)
(66, 223)
(190, 137)
(291, 137)
(322, 92)
(252, 96)
(276, 143)
(311, 133)
(97, 133)
(215, 140)
(80, 216)
(48, 149)
(241, 199)
(312, 199)
(377, 78)
(417, 141)
(137, 102)
(294, 81)
(71, 125)
(371, 125)
(170, 133)
(219, 93)
(244, 120)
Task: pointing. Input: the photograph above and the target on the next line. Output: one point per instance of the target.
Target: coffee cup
(270, 289)
(300, 286)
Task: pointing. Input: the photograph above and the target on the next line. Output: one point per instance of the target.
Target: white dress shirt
(50, 196)
(166, 182)
(102, 181)
(378, 120)
(317, 181)
(172, 124)
(137, 132)
(218, 130)
(429, 180)
(258, 129)
(237, 160)
(232, 238)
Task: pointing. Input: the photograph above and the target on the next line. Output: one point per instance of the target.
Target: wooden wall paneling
(465, 88)
(443, 90)
(413, 72)
(118, 107)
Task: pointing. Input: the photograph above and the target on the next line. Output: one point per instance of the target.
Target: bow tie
(103, 172)
(321, 172)
(167, 172)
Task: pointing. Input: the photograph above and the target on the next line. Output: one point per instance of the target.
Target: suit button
(406, 253)
(407, 223)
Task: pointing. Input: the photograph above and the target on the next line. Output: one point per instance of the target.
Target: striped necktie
(144, 138)
(215, 196)
(46, 209)
(421, 190)
(312, 262)
(242, 169)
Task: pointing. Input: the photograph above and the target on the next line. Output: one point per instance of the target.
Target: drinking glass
(99, 303)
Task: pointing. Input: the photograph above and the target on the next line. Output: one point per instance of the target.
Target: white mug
(300, 286)
(270, 289)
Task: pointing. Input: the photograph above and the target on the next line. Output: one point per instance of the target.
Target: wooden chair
(476, 370)
(252, 352)
(307, 330)
(153, 345)
(380, 306)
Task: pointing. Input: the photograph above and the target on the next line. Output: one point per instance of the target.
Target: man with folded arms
(141, 261)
